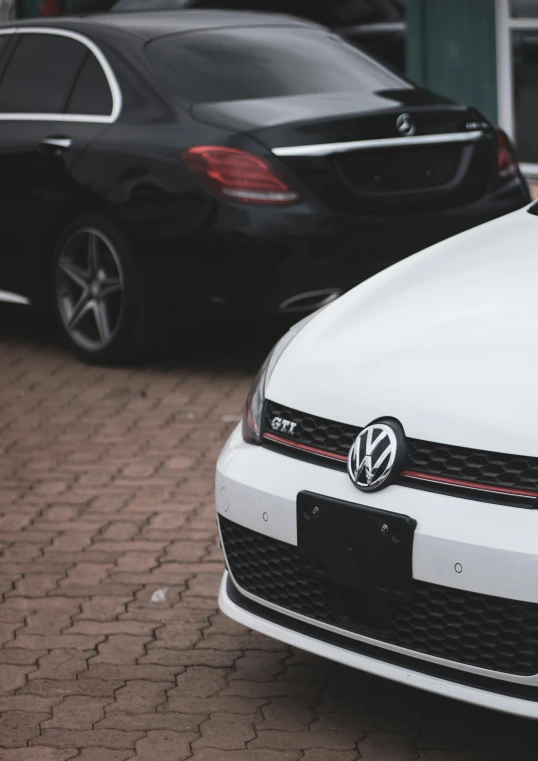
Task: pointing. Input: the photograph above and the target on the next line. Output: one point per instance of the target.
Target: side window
(91, 92)
(40, 74)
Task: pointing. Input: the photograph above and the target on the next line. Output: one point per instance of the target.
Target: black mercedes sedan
(159, 165)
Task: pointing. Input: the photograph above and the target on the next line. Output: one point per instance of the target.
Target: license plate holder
(355, 546)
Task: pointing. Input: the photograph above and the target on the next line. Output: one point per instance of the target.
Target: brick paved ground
(106, 498)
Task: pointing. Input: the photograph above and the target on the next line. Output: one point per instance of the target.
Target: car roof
(151, 24)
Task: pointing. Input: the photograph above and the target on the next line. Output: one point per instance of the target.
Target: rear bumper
(251, 260)
(238, 608)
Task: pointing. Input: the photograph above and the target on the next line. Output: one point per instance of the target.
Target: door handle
(58, 144)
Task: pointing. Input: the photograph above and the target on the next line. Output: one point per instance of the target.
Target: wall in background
(451, 49)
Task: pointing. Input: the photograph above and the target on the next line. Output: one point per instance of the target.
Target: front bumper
(338, 652)
(492, 547)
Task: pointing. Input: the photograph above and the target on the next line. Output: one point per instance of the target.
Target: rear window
(264, 62)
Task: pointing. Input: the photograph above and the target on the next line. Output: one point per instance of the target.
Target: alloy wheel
(90, 288)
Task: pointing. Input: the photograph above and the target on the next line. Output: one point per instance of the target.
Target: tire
(97, 292)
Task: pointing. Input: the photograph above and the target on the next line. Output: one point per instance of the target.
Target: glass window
(40, 74)
(264, 62)
(524, 9)
(91, 92)
(525, 76)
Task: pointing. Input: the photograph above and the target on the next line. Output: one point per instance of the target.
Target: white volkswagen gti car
(379, 504)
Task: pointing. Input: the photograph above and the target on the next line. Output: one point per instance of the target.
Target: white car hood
(445, 341)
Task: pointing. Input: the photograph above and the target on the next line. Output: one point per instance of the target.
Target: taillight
(506, 161)
(239, 175)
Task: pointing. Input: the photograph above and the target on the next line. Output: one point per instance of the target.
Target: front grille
(311, 431)
(474, 465)
(465, 627)
(517, 476)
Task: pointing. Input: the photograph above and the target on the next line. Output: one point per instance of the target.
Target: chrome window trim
(107, 69)
(325, 149)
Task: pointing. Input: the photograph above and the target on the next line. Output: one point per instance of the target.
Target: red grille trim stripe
(409, 473)
(305, 447)
(468, 484)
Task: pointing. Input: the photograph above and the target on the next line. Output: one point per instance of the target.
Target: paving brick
(182, 702)
(105, 754)
(106, 738)
(452, 731)
(45, 622)
(121, 648)
(60, 664)
(212, 658)
(28, 703)
(165, 745)
(321, 754)
(208, 754)
(139, 696)
(20, 657)
(177, 722)
(138, 628)
(251, 689)
(226, 731)
(199, 681)
(286, 713)
(17, 727)
(302, 740)
(186, 552)
(86, 574)
(52, 642)
(102, 608)
(39, 754)
(146, 672)
(37, 586)
(76, 712)
(12, 677)
(259, 666)
(121, 530)
(58, 687)
(394, 746)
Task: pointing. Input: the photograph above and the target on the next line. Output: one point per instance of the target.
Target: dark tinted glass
(524, 8)
(40, 74)
(264, 62)
(525, 76)
(91, 93)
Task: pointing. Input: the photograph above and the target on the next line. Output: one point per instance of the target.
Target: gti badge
(280, 424)
(377, 455)
(405, 125)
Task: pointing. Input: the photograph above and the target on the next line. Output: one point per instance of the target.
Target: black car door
(57, 93)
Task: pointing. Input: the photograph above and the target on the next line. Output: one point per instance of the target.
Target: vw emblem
(377, 456)
(405, 125)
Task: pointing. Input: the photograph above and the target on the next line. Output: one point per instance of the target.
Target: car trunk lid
(391, 150)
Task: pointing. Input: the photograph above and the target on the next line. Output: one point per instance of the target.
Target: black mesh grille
(310, 430)
(475, 466)
(481, 630)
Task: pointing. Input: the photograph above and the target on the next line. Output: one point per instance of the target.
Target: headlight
(252, 419)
